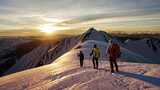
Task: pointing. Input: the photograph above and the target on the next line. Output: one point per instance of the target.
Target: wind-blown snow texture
(65, 72)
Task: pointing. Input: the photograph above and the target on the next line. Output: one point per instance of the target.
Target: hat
(114, 40)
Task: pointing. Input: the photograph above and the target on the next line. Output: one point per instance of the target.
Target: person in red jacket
(114, 53)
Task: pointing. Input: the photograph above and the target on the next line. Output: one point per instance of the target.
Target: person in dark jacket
(81, 58)
(114, 53)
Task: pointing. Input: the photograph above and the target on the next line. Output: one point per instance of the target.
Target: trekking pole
(101, 61)
(90, 60)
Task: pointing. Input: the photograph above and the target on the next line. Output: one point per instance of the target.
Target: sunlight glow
(51, 28)
(48, 28)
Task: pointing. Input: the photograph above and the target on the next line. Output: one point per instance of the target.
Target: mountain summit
(93, 34)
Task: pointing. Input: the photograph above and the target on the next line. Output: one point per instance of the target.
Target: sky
(31, 16)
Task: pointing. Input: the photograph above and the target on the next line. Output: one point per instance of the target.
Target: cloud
(76, 8)
(133, 13)
(31, 13)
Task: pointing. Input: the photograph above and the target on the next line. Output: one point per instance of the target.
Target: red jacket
(114, 51)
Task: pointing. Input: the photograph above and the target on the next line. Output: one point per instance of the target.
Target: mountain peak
(90, 30)
(93, 34)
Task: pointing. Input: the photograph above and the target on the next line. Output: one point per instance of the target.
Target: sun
(48, 29)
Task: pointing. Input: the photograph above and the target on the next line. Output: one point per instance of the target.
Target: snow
(126, 54)
(65, 73)
(133, 51)
(93, 34)
(42, 55)
(10, 51)
(140, 47)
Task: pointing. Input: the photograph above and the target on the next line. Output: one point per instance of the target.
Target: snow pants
(113, 63)
(95, 62)
(81, 62)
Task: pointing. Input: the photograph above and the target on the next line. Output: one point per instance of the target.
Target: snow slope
(43, 54)
(65, 73)
(47, 53)
(12, 49)
(141, 47)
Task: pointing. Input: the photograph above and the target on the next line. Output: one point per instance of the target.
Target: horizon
(41, 17)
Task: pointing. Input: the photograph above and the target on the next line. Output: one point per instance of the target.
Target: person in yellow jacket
(95, 53)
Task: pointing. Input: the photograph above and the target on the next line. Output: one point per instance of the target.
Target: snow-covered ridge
(132, 50)
(47, 53)
(93, 34)
(65, 73)
(43, 54)
(12, 49)
(148, 48)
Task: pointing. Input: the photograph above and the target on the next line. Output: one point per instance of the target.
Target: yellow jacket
(95, 52)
